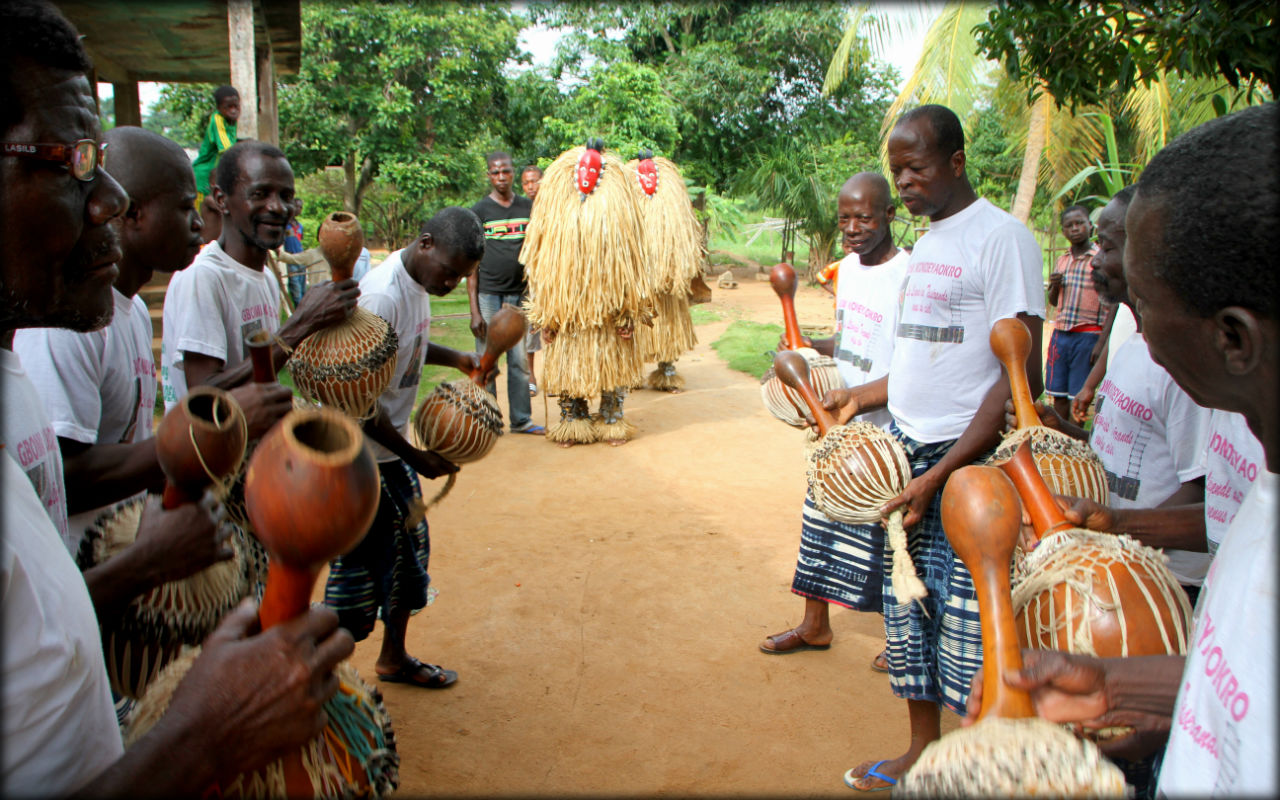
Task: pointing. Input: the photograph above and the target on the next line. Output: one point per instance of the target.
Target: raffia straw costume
(673, 247)
(584, 260)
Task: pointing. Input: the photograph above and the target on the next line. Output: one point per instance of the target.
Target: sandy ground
(603, 608)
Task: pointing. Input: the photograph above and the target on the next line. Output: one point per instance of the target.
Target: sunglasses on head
(83, 157)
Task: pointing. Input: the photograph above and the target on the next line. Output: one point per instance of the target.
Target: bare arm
(478, 326)
(322, 306)
(1178, 522)
(100, 474)
(424, 462)
(848, 403)
(170, 545)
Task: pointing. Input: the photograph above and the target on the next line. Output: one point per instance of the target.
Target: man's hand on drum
(468, 361)
(919, 493)
(321, 307)
(180, 542)
(844, 404)
(1077, 690)
(429, 464)
(1048, 417)
(805, 341)
(263, 404)
(252, 697)
(1085, 513)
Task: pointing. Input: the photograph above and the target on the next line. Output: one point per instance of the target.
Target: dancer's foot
(616, 442)
(794, 641)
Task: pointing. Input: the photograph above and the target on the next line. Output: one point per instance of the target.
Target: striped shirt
(1078, 301)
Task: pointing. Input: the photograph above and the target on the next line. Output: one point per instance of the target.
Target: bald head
(864, 213)
(145, 163)
(872, 186)
(161, 230)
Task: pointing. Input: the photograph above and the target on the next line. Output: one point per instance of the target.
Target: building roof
(178, 41)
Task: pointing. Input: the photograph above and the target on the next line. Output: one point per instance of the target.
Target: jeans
(297, 282)
(517, 363)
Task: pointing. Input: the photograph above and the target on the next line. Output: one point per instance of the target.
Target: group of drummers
(936, 355)
(261, 708)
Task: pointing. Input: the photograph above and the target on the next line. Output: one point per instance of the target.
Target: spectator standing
(297, 273)
(219, 136)
(500, 280)
(530, 180)
(1078, 324)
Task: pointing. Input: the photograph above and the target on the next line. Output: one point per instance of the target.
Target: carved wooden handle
(505, 329)
(981, 514)
(783, 280)
(793, 370)
(1046, 516)
(1011, 344)
(259, 343)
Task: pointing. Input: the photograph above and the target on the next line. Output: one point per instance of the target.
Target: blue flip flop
(536, 430)
(873, 772)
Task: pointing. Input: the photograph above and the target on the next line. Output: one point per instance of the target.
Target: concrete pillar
(268, 114)
(128, 108)
(243, 72)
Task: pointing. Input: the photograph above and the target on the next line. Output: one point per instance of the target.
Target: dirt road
(603, 607)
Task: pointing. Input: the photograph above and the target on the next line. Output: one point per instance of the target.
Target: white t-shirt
(59, 723)
(210, 308)
(98, 387)
(1223, 740)
(388, 291)
(30, 440)
(1124, 326)
(1150, 437)
(1232, 462)
(969, 271)
(866, 319)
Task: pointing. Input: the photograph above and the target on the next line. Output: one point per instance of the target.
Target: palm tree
(1057, 144)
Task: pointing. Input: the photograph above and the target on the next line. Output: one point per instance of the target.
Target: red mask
(647, 174)
(588, 170)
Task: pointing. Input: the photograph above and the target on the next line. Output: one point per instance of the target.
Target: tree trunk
(350, 200)
(1037, 129)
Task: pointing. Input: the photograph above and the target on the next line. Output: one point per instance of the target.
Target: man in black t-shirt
(500, 279)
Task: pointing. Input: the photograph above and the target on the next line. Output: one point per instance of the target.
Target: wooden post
(243, 72)
(268, 117)
(128, 110)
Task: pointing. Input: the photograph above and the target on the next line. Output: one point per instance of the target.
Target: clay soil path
(603, 608)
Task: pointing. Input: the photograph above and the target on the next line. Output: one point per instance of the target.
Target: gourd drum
(1068, 465)
(781, 400)
(311, 491)
(349, 365)
(1009, 752)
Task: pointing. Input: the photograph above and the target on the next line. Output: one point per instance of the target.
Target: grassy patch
(702, 314)
(747, 346)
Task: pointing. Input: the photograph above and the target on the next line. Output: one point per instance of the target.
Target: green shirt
(220, 135)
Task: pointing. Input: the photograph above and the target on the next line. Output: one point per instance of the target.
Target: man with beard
(1213, 324)
(247, 698)
(212, 307)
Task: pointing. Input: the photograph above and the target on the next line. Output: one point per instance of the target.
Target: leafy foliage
(1084, 52)
(182, 112)
(624, 103)
(400, 91)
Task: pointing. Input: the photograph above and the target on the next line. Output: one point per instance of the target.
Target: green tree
(747, 76)
(1083, 53)
(182, 112)
(402, 92)
(801, 182)
(624, 103)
